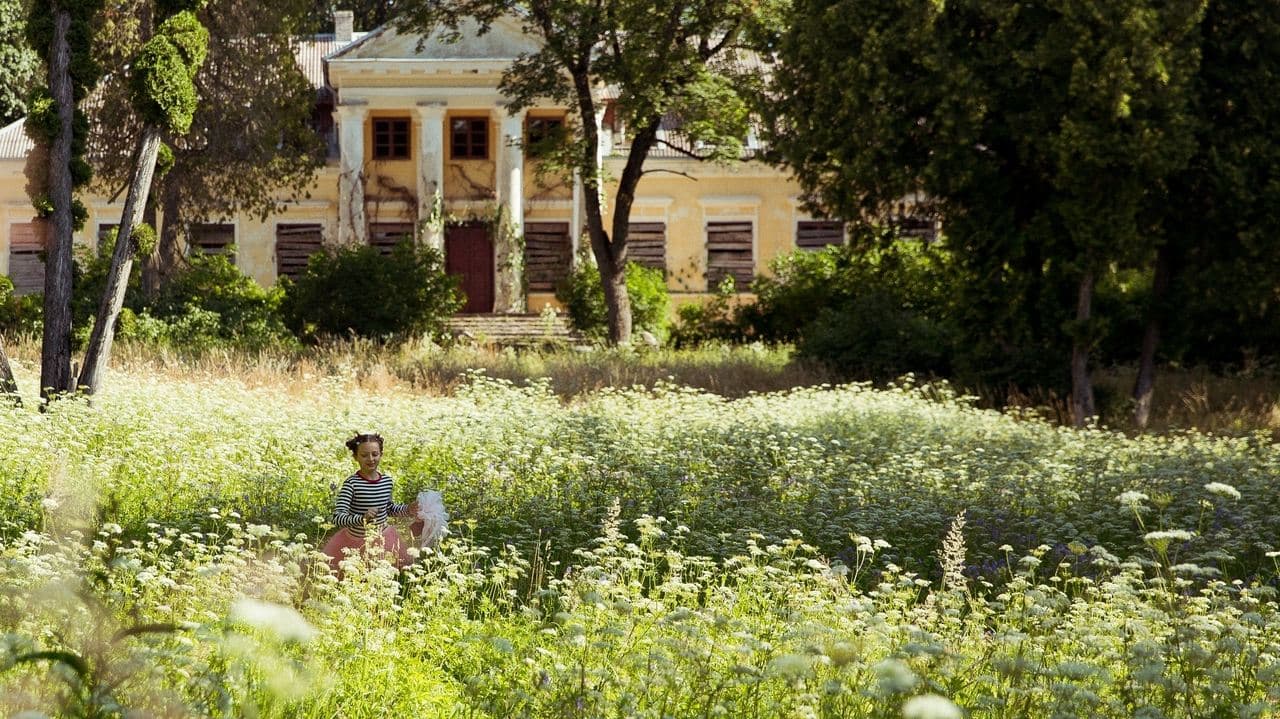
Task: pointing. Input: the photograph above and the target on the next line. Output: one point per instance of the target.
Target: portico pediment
(505, 40)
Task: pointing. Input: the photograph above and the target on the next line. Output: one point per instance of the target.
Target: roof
(14, 143)
(311, 55)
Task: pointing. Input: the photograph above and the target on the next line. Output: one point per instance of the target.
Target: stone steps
(506, 330)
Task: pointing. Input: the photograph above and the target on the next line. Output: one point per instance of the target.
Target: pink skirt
(344, 541)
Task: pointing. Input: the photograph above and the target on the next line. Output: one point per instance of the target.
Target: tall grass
(639, 552)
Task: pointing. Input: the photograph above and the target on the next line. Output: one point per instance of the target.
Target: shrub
(211, 302)
(712, 321)
(583, 297)
(360, 291)
(90, 280)
(19, 313)
(871, 313)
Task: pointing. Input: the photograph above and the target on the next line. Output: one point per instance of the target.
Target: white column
(600, 152)
(510, 180)
(431, 171)
(352, 229)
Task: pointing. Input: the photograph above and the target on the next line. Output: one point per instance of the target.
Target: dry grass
(429, 369)
(1185, 398)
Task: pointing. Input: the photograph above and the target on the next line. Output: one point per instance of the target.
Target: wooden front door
(468, 253)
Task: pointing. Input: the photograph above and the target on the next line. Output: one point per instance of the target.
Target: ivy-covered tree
(250, 143)
(18, 62)
(1038, 131)
(62, 33)
(673, 59)
(164, 97)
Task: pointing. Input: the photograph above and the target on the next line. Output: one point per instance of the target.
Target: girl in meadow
(364, 504)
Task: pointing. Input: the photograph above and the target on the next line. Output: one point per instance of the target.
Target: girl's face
(368, 454)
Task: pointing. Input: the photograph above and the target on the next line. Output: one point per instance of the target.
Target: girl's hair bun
(354, 443)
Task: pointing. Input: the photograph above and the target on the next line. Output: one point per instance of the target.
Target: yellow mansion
(422, 143)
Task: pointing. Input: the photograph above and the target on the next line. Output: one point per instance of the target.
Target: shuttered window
(386, 235)
(647, 244)
(294, 244)
(730, 254)
(213, 239)
(547, 253)
(26, 265)
(815, 235)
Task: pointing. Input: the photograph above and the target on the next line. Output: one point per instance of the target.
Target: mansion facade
(421, 143)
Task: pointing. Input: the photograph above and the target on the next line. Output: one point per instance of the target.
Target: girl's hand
(370, 515)
(412, 509)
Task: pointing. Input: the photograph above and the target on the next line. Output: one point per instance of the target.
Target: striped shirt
(359, 494)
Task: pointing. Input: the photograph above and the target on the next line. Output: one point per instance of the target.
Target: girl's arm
(342, 514)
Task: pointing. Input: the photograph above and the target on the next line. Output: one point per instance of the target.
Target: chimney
(344, 22)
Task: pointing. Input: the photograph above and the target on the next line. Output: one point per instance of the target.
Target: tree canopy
(1041, 133)
(670, 60)
(18, 62)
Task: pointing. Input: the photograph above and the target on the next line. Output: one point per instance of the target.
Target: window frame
(548, 124)
(394, 139)
(470, 135)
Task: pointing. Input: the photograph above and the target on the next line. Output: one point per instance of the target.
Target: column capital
(431, 108)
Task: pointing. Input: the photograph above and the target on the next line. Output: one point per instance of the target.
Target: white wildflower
(930, 706)
(285, 623)
(895, 676)
(1131, 498)
(1222, 490)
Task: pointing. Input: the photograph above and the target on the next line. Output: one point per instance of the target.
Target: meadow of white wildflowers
(825, 552)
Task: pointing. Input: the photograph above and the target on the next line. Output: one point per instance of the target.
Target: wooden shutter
(294, 244)
(815, 235)
(547, 254)
(386, 235)
(27, 242)
(730, 254)
(647, 244)
(213, 239)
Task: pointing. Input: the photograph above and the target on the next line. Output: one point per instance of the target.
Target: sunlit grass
(652, 551)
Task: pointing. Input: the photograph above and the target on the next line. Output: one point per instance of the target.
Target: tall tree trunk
(55, 349)
(1082, 407)
(167, 257)
(8, 385)
(1145, 383)
(99, 351)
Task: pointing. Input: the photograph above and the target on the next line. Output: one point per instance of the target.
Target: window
(386, 235)
(647, 244)
(26, 264)
(213, 239)
(106, 229)
(540, 133)
(730, 254)
(469, 138)
(295, 244)
(815, 235)
(391, 138)
(547, 252)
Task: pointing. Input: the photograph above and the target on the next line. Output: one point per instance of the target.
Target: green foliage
(164, 90)
(19, 314)
(583, 298)
(358, 290)
(18, 62)
(91, 280)
(1046, 147)
(713, 321)
(212, 302)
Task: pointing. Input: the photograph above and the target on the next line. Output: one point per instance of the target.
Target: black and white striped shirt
(359, 494)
